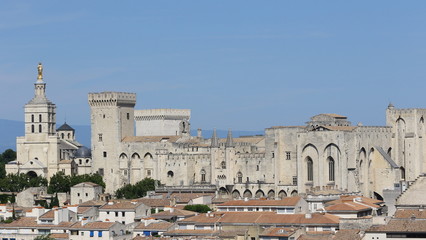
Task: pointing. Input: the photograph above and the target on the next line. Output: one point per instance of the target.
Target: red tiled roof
(154, 226)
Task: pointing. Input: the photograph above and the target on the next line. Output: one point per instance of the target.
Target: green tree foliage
(55, 201)
(6, 157)
(200, 208)
(63, 183)
(137, 190)
(44, 237)
(19, 182)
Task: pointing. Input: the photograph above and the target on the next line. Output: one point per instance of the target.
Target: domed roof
(83, 152)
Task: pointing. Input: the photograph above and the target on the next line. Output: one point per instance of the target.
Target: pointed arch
(247, 194)
(236, 194)
(260, 194)
(282, 194)
(294, 193)
(147, 156)
(271, 194)
(310, 145)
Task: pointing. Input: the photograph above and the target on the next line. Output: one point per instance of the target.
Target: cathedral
(327, 153)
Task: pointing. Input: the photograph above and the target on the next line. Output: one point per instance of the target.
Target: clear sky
(245, 65)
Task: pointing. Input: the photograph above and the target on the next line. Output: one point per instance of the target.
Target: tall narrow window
(240, 177)
(128, 116)
(223, 165)
(310, 169)
(287, 156)
(331, 176)
(203, 176)
(32, 117)
(39, 117)
(39, 128)
(402, 169)
(32, 128)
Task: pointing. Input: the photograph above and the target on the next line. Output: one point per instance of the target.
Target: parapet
(162, 114)
(112, 99)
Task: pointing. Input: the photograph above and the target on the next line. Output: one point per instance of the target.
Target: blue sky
(244, 65)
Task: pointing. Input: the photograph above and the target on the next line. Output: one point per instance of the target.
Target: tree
(138, 190)
(6, 157)
(200, 208)
(55, 201)
(63, 183)
(59, 183)
(19, 182)
(44, 237)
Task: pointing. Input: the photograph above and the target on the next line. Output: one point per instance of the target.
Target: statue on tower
(40, 71)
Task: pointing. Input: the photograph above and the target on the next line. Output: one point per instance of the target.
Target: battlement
(112, 99)
(386, 129)
(162, 114)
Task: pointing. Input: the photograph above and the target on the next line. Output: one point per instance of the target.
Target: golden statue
(40, 71)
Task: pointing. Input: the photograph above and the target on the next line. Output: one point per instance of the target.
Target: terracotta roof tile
(93, 225)
(121, 205)
(164, 226)
(152, 202)
(48, 215)
(347, 234)
(409, 213)
(278, 232)
(401, 225)
(176, 212)
(59, 235)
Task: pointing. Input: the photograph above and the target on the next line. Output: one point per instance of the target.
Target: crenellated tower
(112, 119)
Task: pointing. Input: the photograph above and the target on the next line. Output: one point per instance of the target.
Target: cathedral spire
(215, 140)
(229, 139)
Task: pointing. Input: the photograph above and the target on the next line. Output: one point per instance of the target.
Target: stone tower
(37, 150)
(112, 119)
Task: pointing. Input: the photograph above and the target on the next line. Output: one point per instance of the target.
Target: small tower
(229, 140)
(66, 132)
(215, 140)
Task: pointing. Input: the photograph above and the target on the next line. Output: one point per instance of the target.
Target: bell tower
(40, 113)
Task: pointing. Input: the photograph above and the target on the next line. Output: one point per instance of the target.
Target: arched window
(310, 169)
(32, 117)
(69, 135)
(390, 152)
(331, 175)
(39, 128)
(170, 174)
(223, 165)
(257, 168)
(62, 135)
(203, 176)
(32, 128)
(80, 162)
(39, 117)
(240, 177)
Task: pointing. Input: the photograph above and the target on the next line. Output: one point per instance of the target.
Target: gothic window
(223, 165)
(203, 176)
(287, 156)
(32, 117)
(39, 117)
(331, 175)
(310, 169)
(32, 128)
(170, 174)
(240, 177)
(39, 128)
